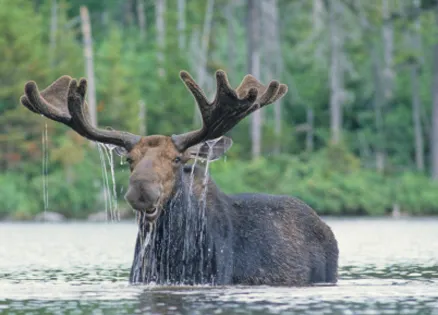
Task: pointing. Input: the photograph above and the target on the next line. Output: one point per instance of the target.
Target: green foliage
(15, 196)
(22, 50)
(332, 179)
(332, 182)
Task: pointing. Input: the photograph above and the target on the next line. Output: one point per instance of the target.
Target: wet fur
(251, 239)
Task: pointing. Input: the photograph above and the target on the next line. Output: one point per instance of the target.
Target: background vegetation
(357, 133)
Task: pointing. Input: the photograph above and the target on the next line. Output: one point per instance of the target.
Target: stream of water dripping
(145, 267)
(104, 177)
(110, 195)
(140, 264)
(203, 203)
(110, 156)
(45, 169)
(187, 241)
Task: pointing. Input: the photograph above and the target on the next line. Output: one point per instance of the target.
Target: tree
(160, 9)
(416, 101)
(434, 135)
(253, 52)
(336, 71)
(89, 69)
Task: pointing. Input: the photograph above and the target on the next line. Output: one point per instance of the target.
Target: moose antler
(64, 101)
(229, 106)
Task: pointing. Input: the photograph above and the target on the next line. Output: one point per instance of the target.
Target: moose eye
(177, 159)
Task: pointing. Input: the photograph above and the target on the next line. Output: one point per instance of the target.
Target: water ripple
(386, 267)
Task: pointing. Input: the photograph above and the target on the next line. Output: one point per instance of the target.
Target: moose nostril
(142, 196)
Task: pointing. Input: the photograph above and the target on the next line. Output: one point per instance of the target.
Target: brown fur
(156, 155)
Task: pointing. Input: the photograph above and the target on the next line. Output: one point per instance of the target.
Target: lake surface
(387, 266)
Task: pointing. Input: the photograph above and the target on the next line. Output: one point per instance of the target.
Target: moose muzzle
(143, 195)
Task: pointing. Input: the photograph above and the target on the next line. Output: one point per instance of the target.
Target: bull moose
(190, 232)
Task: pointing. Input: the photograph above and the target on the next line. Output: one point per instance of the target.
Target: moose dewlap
(190, 232)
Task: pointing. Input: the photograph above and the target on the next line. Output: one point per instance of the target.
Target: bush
(14, 196)
(332, 182)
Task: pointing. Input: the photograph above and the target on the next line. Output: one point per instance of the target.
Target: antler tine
(229, 106)
(51, 101)
(63, 101)
(79, 112)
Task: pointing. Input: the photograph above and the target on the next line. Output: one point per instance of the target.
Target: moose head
(155, 160)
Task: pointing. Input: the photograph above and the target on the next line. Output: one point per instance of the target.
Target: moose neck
(190, 242)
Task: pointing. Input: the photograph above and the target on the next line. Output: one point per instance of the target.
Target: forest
(356, 134)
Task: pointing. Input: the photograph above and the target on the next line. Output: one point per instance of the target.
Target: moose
(190, 232)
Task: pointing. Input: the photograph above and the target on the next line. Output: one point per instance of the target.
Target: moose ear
(120, 151)
(210, 150)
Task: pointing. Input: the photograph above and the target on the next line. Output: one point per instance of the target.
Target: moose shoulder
(190, 232)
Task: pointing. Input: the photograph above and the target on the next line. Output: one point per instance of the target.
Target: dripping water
(45, 168)
(104, 178)
(193, 224)
(110, 156)
(203, 203)
(188, 228)
(110, 195)
(145, 246)
(210, 144)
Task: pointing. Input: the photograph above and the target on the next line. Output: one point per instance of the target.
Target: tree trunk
(309, 132)
(231, 38)
(202, 61)
(142, 115)
(416, 118)
(336, 75)
(273, 58)
(318, 32)
(160, 9)
(434, 135)
(253, 50)
(317, 13)
(378, 100)
(53, 31)
(89, 65)
(141, 19)
(386, 82)
(181, 24)
(127, 12)
(416, 100)
(388, 51)
(318, 25)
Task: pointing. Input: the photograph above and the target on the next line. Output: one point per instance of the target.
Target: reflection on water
(386, 267)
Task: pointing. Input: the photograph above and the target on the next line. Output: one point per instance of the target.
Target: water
(193, 216)
(203, 201)
(187, 240)
(386, 267)
(109, 154)
(110, 196)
